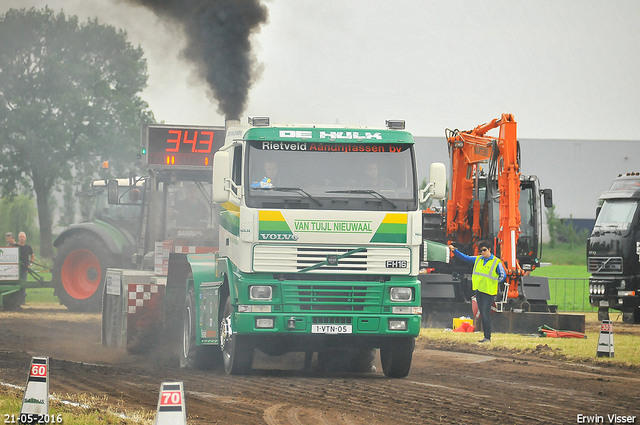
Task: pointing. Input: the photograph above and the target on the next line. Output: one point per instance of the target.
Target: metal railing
(570, 294)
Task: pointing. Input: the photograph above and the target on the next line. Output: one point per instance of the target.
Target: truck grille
(608, 265)
(292, 259)
(332, 297)
(331, 320)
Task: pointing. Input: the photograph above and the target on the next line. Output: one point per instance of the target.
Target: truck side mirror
(547, 198)
(221, 174)
(112, 192)
(438, 176)
(437, 186)
(598, 211)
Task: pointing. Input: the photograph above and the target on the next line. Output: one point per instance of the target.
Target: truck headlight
(264, 323)
(397, 325)
(400, 294)
(260, 292)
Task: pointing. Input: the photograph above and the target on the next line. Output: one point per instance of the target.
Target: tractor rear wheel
(78, 270)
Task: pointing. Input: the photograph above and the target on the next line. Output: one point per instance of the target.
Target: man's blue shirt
(472, 259)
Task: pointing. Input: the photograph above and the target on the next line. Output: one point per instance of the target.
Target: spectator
(11, 240)
(26, 254)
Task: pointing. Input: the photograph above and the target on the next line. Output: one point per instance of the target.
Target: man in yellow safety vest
(488, 272)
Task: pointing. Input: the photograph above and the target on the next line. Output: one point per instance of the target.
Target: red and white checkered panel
(139, 295)
(194, 249)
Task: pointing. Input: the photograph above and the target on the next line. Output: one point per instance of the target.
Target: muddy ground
(451, 384)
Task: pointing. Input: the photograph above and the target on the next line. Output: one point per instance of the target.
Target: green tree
(68, 100)
(18, 215)
(68, 213)
(563, 230)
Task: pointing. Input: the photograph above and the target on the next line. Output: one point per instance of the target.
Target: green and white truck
(321, 256)
(319, 242)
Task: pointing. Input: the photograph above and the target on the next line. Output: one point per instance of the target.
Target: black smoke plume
(217, 33)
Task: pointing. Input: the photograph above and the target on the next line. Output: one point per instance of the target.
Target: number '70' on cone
(171, 407)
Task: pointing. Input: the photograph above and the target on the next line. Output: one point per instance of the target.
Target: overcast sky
(566, 69)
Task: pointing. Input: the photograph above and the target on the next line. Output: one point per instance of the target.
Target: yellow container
(457, 322)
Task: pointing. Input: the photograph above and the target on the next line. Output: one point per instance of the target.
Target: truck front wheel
(237, 350)
(78, 267)
(631, 316)
(193, 356)
(395, 356)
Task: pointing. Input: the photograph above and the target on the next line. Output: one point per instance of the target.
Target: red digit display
(193, 141)
(168, 146)
(206, 140)
(176, 148)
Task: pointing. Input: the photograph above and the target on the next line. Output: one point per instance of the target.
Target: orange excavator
(469, 149)
(488, 199)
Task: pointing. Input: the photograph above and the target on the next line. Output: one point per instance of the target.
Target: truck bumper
(619, 293)
(365, 325)
(297, 335)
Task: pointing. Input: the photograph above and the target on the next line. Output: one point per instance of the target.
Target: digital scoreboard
(171, 146)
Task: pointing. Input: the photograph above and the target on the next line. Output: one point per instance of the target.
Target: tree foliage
(563, 230)
(18, 215)
(68, 101)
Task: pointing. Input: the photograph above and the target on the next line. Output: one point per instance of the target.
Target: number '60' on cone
(36, 392)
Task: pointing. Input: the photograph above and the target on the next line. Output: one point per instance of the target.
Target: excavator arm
(468, 150)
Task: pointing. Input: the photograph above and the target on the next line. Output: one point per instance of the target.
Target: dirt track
(474, 386)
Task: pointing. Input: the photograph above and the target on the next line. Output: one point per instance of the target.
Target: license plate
(604, 303)
(331, 329)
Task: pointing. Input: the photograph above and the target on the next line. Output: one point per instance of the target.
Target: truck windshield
(617, 213)
(380, 177)
(191, 214)
(125, 215)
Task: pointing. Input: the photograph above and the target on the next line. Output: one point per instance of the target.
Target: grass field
(565, 254)
(626, 344)
(81, 412)
(568, 286)
(41, 295)
(568, 276)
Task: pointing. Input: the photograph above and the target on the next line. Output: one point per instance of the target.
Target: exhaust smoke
(217, 34)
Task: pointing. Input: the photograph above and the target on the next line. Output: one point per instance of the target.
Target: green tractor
(85, 250)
